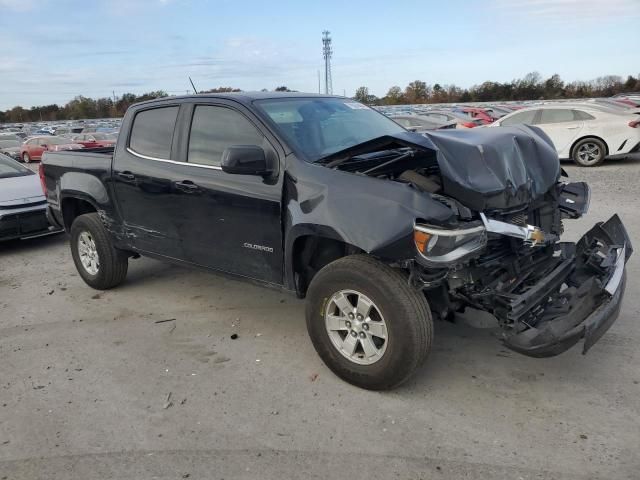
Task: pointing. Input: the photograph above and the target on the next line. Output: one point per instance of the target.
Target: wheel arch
(586, 137)
(74, 206)
(308, 253)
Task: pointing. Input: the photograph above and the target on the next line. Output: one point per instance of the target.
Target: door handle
(127, 176)
(187, 186)
(573, 128)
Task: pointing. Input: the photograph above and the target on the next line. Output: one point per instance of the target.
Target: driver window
(213, 129)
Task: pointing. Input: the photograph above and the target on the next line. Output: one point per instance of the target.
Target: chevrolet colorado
(381, 229)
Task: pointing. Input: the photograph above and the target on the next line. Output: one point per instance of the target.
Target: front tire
(98, 262)
(589, 152)
(367, 324)
(26, 158)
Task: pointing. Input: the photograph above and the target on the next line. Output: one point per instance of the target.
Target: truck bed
(80, 171)
(90, 159)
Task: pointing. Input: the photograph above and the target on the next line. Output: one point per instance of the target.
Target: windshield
(318, 127)
(9, 143)
(11, 168)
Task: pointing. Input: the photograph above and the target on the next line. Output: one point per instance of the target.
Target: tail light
(43, 183)
(634, 123)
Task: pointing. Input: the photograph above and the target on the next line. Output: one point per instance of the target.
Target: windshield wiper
(377, 144)
(408, 154)
(371, 156)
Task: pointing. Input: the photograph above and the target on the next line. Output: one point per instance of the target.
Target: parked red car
(33, 148)
(94, 140)
(479, 114)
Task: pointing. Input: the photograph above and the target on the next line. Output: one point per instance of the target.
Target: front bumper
(594, 279)
(25, 223)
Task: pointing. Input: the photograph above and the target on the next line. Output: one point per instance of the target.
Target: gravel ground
(92, 387)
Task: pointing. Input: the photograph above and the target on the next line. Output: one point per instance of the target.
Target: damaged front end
(546, 295)
(502, 253)
(500, 250)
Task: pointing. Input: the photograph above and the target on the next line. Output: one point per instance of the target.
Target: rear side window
(152, 132)
(580, 115)
(556, 116)
(213, 129)
(520, 118)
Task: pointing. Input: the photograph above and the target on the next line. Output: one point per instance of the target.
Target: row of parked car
(27, 143)
(22, 201)
(585, 131)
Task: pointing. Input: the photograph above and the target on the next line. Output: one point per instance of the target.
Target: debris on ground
(313, 377)
(234, 336)
(51, 292)
(168, 403)
(221, 359)
(97, 296)
(583, 436)
(164, 321)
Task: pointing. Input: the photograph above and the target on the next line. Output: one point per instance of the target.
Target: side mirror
(245, 160)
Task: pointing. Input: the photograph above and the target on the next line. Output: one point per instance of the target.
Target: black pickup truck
(381, 229)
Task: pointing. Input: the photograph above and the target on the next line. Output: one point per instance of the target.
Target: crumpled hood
(496, 168)
(482, 168)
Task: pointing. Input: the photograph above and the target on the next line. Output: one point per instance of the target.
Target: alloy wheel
(356, 327)
(589, 153)
(88, 253)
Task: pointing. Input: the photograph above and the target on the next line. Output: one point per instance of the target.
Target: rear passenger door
(144, 174)
(229, 222)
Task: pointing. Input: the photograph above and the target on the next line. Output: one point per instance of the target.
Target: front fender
(374, 215)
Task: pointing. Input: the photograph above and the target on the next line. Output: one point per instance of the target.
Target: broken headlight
(440, 245)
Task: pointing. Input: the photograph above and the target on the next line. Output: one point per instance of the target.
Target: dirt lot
(92, 387)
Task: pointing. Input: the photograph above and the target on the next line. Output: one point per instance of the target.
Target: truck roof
(241, 97)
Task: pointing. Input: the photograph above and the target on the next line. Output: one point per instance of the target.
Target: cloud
(569, 11)
(17, 5)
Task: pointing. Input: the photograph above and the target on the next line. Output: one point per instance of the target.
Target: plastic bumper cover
(594, 305)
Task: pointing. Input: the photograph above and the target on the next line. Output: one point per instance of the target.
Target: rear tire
(98, 262)
(396, 312)
(26, 158)
(589, 152)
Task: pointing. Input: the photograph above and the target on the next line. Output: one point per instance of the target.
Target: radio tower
(327, 51)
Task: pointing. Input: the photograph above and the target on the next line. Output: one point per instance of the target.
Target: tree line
(82, 107)
(531, 87)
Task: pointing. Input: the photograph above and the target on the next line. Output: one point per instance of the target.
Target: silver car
(11, 148)
(22, 203)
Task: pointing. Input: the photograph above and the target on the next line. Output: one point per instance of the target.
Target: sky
(54, 50)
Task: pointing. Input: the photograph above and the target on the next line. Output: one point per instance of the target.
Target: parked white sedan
(586, 135)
